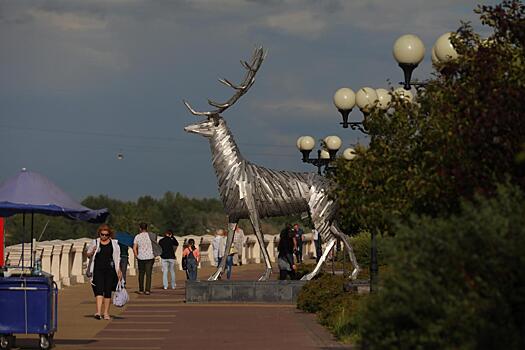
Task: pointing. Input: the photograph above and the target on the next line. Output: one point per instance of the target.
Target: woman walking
(104, 269)
(285, 257)
(193, 257)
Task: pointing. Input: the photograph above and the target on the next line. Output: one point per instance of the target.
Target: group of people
(234, 255)
(290, 250)
(109, 259)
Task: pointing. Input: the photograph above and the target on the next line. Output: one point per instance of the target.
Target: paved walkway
(163, 321)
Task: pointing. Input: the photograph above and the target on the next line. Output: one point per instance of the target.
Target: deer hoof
(307, 277)
(214, 277)
(266, 275)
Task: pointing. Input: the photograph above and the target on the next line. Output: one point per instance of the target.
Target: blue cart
(28, 305)
(28, 302)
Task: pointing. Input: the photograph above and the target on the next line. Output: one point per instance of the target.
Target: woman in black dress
(285, 258)
(104, 267)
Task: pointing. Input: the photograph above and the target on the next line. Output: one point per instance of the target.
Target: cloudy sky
(81, 81)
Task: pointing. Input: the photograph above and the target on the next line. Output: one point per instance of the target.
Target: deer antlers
(258, 57)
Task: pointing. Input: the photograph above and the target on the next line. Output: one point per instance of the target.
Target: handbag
(120, 297)
(89, 274)
(91, 261)
(184, 262)
(233, 250)
(155, 247)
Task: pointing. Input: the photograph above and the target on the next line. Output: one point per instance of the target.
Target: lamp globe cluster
(330, 145)
(409, 51)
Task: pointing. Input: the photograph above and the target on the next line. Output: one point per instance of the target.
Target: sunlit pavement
(162, 320)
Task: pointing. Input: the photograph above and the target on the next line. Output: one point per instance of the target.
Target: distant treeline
(182, 214)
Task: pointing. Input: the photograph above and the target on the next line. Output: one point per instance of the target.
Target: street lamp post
(325, 155)
(408, 51)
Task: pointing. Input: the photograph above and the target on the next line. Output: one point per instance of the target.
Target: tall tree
(461, 136)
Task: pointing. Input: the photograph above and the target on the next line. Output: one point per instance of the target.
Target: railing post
(65, 273)
(77, 272)
(132, 268)
(269, 241)
(55, 262)
(46, 256)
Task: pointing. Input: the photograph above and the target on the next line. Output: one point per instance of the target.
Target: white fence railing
(66, 260)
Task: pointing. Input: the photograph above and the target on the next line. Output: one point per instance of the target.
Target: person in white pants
(169, 244)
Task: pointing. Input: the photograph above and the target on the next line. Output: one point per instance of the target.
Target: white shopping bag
(120, 297)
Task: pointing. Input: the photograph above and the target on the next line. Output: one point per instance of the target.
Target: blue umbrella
(30, 192)
(124, 238)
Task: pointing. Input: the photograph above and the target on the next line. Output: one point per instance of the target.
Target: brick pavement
(163, 321)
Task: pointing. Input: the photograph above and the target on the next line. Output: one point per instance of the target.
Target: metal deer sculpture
(249, 191)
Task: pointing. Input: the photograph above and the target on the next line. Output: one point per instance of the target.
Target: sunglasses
(104, 234)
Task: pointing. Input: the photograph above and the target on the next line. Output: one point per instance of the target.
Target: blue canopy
(30, 192)
(124, 238)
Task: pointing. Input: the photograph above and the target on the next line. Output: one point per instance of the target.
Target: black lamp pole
(374, 269)
(319, 162)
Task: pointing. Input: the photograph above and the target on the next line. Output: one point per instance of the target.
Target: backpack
(184, 262)
(155, 247)
(185, 259)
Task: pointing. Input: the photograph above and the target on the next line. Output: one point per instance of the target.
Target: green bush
(361, 244)
(455, 282)
(303, 269)
(335, 308)
(319, 292)
(340, 316)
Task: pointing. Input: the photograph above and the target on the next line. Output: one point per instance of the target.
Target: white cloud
(299, 106)
(301, 23)
(68, 21)
(102, 58)
(423, 17)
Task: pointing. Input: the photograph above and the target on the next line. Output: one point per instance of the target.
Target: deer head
(213, 119)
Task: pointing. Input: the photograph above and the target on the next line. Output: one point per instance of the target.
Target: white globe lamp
(383, 98)
(408, 51)
(444, 49)
(366, 99)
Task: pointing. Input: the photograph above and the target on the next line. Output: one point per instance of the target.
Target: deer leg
(254, 219)
(227, 247)
(338, 233)
(327, 249)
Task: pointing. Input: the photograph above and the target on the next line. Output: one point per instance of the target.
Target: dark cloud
(83, 80)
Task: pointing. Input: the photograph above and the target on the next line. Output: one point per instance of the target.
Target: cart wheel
(45, 342)
(6, 341)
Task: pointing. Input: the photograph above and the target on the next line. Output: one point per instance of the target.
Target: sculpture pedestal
(284, 292)
(358, 286)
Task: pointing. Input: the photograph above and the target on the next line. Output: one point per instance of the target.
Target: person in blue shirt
(299, 241)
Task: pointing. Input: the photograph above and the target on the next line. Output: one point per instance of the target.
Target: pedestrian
(229, 261)
(317, 244)
(104, 269)
(142, 247)
(219, 246)
(168, 244)
(298, 231)
(124, 261)
(286, 250)
(184, 259)
(239, 241)
(193, 259)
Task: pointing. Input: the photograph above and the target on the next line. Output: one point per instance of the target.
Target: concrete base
(284, 292)
(358, 286)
